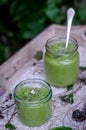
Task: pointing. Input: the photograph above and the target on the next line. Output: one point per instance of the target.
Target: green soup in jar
(61, 63)
(33, 100)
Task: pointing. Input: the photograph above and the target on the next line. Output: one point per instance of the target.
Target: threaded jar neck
(57, 46)
(34, 84)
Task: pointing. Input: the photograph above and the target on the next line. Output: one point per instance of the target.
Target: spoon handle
(70, 15)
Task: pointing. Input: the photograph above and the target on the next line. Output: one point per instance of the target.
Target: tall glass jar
(33, 100)
(61, 63)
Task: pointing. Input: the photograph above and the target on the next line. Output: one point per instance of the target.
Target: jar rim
(44, 99)
(61, 39)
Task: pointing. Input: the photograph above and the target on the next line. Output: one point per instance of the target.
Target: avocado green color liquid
(62, 67)
(32, 113)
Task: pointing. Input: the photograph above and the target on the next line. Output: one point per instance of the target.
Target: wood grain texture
(12, 67)
(20, 67)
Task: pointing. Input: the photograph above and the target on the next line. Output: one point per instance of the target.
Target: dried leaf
(79, 115)
(10, 96)
(34, 64)
(1, 115)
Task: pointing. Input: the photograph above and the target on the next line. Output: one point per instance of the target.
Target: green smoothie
(34, 105)
(61, 64)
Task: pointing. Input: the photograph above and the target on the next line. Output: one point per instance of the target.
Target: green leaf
(69, 87)
(82, 13)
(33, 29)
(38, 55)
(52, 13)
(82, 68)
(62, 128)
(68, 98)
(3, 1)
(10, 126)
(53, 2)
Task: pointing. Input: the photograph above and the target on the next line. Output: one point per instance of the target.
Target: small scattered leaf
(69, 87)
(34, 64)
(83, 80)
(68, 98)
(38, 55)
(10, 126)
(82, 68)
(62, 128)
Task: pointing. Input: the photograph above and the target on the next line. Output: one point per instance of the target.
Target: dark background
(22, 20)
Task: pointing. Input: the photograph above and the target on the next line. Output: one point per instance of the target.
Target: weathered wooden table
(21, 66)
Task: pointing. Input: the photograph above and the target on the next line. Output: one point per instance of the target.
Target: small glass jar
(33, 101)
(61, 63)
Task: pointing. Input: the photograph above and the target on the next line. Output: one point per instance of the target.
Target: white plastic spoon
(70, 15)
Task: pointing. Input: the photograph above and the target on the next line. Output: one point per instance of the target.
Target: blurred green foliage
(22, 20)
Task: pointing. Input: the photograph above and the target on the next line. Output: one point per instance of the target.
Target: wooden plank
(20, 67)
(24, 55)
(16, 62)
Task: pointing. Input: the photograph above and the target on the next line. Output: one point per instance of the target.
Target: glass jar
(61, 63)
(33, 101)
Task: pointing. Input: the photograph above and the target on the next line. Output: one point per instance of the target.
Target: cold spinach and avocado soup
(61, 64)
(30, 112)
